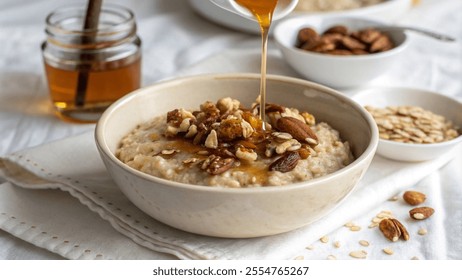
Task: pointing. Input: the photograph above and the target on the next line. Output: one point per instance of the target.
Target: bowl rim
(451, 142)
(360, 10)
(380, 91)
(104, 149)
(278, 34)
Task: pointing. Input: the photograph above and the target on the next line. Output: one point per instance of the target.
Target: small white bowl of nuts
(414, 124)
(339, 51)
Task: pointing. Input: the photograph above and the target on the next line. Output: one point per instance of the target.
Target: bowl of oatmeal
(194, 154)
(414, 124)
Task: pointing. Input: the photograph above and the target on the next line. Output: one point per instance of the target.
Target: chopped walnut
(231, 134)
(227, 105)
(216, 164)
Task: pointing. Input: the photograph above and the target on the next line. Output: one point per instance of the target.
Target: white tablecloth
(177, 41)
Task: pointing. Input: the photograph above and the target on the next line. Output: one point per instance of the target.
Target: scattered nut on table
(421, 213)
(414, 198)
(393, 230)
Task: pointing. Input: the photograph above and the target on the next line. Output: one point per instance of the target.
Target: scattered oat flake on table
(299, 258)
(349, 224)
(361, 254)
(364, 243)
(422, 231)
(324, 239)
(355, 228)
(394, 198)
(331, 257)
(337, 244)
(373, 225)
(384, 215)
(388, 251)
(311, 247)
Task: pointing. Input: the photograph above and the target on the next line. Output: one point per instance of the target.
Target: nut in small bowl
(414, 125)
(346, 52)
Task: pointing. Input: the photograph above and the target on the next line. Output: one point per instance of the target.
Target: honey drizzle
(259, 171)
(263, 11)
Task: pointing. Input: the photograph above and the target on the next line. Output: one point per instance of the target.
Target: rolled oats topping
(225, 144)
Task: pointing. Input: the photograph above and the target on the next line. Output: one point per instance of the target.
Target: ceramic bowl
(227, 212)
(437, 103)
(389, 10)
(338, 71)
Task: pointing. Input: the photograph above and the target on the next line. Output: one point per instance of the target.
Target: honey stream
(263, 11)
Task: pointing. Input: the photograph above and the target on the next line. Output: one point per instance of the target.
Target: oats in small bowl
(414, 125)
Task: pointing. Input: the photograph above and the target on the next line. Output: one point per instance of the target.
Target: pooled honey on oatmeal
(263, 11)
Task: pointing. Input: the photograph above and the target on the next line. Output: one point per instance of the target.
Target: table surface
(174, 38)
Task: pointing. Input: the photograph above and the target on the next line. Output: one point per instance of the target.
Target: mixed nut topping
(412, 124)
(229, 135)
(338, 40)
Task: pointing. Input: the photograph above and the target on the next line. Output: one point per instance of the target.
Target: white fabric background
(176, 41)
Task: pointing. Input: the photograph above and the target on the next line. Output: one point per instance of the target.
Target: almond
(307, 35)
(298, 129)
(369, 35)
(352, 43)
(421, 213)
(414, 198)
(337, 29)
(383, 43)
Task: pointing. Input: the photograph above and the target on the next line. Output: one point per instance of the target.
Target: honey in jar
(88, 69)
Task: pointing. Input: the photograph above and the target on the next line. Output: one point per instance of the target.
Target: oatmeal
(224, 144)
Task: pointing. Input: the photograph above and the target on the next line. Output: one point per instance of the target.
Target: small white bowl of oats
(193, 154)
(414, 124)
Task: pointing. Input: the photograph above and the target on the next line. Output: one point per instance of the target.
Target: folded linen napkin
(73, 165)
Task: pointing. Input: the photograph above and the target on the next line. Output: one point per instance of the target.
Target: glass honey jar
(88, 69)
